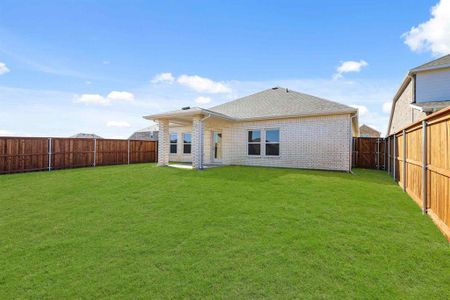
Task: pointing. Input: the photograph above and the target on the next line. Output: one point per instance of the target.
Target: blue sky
(95, 66)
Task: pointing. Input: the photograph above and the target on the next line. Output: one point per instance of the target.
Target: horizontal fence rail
(26, 154)
(418, 158)
(421, 165)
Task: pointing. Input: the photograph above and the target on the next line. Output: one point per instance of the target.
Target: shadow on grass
(264, 174)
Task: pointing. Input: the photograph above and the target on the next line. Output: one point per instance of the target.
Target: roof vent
(186, 108)
(287, 90)
(275, 88)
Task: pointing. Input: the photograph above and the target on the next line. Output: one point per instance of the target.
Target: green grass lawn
(140, 231)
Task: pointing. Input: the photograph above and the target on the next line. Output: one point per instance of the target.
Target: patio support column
(197, 143)
(163, 143)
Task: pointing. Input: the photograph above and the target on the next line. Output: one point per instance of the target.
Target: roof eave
(406, 80)
(352, 112)
(431, 68)
(188, 113)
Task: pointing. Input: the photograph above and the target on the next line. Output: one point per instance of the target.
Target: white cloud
(202, 100)
(93, 99)
(387, 107)
(4, 132)
(203, 85)
(120, 96)
(163, 77)
(118, 124)
(100, 100)
(434, 34)
(3, 68)
(350, 66)
(362, 110)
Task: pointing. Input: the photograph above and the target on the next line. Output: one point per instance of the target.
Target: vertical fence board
(436, 166)
(18, 154)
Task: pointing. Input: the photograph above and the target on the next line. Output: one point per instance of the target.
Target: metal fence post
(395, 156)
(95, 152)
(404, 160)
(128, 157)
(378, 153)
(424, 166)
(49, 154)
(389, 154)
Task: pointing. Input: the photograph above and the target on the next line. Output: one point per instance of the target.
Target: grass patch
(140, 231)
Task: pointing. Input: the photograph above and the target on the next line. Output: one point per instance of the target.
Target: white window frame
(182, 136)
(272, 143)
(254, 143)
(170, 143)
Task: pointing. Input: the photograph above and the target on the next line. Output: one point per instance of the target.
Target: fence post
(95, 152)
(395, 156)
(385, 155)
(128, 152)
(404, 160)
(424, 166)
(378, 153)
(49, 154)
(388, 154)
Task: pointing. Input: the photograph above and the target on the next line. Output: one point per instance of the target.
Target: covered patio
(201, 132)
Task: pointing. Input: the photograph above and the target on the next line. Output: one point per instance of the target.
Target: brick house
(367, 131)
(276, 127)
(424, 90)
(149, 133)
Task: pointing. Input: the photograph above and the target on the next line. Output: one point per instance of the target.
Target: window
(187, 140)
(273, 142)
(254, 142)
(173, 143)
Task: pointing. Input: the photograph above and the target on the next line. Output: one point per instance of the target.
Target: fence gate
(369, 153)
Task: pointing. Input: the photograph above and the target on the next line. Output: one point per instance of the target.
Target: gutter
(351, 142)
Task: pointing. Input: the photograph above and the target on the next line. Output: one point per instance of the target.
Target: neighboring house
(86, 136)
(424, 90)
(276, 127)
(148, 133)
(367, 131)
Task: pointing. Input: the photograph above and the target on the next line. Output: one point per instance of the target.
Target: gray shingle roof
(148, 133)
(431, 106)
(86, 136)
(277, 102)
(440, 62)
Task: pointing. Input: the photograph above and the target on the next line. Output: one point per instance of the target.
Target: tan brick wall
(312, 143)
(404, 114)
(163, 144)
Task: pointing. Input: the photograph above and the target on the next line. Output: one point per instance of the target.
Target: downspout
(201, 140)
(351, 142)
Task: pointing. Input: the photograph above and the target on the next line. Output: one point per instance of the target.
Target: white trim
(272, 143)
(182, 140)
(429, 68)
(254, 143)
(170, 143)
(213, 145)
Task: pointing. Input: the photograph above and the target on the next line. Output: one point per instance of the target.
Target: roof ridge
(287, 90)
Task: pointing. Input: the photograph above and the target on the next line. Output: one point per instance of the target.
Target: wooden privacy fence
(369, 153)
(419, 159)
(24, 154)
